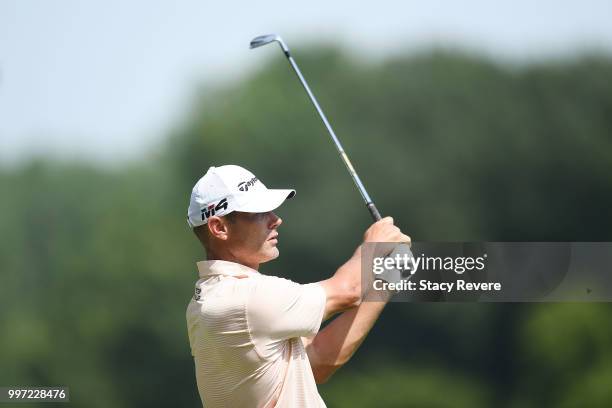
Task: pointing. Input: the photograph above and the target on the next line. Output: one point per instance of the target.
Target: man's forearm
(337, 342)
(333, 346)
(350, 271)
(343, 289)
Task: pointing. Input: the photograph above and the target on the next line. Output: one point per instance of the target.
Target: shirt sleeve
(279, 309)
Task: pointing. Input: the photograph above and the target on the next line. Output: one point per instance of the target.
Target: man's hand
(386, 235)
(385, 231)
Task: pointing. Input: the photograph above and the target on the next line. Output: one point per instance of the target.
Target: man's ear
(217, 227)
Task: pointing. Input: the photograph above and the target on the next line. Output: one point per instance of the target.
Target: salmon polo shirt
(245, 332)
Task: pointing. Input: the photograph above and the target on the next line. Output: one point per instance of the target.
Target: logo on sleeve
(213, 209)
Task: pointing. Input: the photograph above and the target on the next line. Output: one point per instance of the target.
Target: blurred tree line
(97, 265)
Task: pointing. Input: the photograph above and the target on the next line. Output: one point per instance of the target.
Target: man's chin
(271, 254)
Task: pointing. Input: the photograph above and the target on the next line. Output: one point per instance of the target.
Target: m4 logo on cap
(244, 186)
(214, 208)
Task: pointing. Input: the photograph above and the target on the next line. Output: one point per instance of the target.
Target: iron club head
(270, 38)
(267, 39)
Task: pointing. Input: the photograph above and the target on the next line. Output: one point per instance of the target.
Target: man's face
(253, 237)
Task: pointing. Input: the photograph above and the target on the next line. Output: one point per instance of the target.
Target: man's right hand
(385, 231)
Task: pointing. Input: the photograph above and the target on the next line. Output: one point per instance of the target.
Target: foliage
(98, 265)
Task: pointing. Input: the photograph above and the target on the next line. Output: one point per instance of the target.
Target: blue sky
(106, 80)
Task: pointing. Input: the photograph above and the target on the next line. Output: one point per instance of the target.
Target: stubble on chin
(272, 253)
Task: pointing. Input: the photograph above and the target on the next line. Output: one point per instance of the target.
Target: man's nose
(275, 220)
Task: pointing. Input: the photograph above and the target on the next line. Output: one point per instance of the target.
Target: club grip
(374, 211)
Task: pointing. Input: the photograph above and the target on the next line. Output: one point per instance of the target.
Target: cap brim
(267, 200)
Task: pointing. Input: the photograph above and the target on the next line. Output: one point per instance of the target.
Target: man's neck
(212, 255)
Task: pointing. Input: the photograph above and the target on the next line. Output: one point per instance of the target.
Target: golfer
(255, 338)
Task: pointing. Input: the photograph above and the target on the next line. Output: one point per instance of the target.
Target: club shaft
(366, 197)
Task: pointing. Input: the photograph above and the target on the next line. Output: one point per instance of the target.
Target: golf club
(270, 38)
(401, 249)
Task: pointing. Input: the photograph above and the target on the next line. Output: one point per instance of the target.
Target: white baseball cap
(231, 188)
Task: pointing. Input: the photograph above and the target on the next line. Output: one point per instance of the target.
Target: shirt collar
(219, 267)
